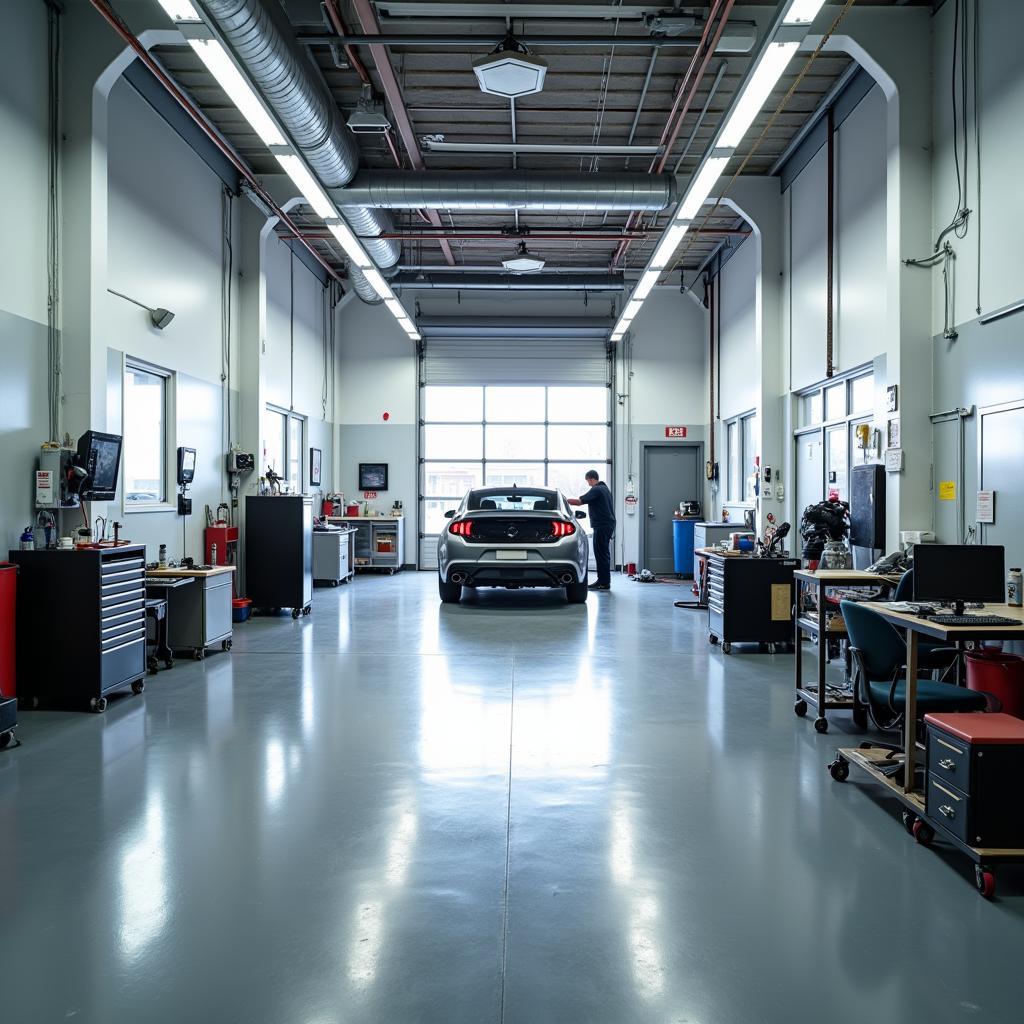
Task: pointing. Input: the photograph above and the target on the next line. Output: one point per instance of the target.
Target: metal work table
(824, 697)
(870, 759)
(199, 616)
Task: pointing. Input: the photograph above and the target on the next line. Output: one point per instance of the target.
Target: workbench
(872, 759)
(379, 540)
(823, 627)
(198, 615)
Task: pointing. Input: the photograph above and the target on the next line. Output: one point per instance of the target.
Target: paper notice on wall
(986, 507)
(947, 490)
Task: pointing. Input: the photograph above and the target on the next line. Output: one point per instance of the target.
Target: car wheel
(450, 592)
(576, 593)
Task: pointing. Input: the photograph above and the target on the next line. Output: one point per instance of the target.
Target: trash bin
(682, 546)
(999, 674)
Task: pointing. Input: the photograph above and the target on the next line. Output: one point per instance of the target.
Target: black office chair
(931, 656)
(879, 685)
(488, 505)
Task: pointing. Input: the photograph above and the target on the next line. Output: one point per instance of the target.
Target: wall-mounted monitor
(373, 476)
(99, 456)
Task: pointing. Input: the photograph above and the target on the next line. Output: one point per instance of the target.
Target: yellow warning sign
(947, 490)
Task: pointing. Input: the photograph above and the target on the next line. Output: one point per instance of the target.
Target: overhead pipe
(830, 242)
(510, 190)
(554, 235)
(511, 282)
(483, 41)
(245, 172)
(525, 149)
(263, 43)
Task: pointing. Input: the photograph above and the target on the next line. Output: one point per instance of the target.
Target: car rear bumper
(521, 574)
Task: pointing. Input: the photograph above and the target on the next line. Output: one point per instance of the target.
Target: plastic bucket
(999, 674)
(241, 609)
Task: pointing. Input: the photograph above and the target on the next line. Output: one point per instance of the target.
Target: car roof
(514, 490)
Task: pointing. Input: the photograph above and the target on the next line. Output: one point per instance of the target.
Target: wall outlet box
(894, 460)
(779, 492)
(768, 492)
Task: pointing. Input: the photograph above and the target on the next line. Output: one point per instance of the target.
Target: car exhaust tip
(565, 578)
(458, 577)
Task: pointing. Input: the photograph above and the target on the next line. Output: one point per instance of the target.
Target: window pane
(450, 479)
(515, 405)
(515, 442)
(295, 453)
(433, 514)
(732, 455)
(578, 405)
(835, 402)
(453, 405)
(810, 409)
(275, 425)
(749, 454)
(144, 439)
(568, 476)
(524, 474)
(837, 446)
(578, 443)
(464, 442)
(862, 394)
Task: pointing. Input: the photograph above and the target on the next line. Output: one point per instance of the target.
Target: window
(146, 416)
(283, 445)
(530, 436)
(740, 451)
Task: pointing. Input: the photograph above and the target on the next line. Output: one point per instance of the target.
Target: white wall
(739, 368)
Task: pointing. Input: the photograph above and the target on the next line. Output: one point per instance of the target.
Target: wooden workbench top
(850, 577)
(178, 573)
(363, 519)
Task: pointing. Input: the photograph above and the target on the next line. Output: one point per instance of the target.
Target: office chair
(488, 505)
(931, 656)
(880, 656)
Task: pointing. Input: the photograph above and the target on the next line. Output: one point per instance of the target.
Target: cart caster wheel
(308, 610)
(821, 725)
(772, 648)
(727, 648)
(152, 666)
(97, 705)
(985, 880)
(139, 686)
(923, 832)
(800, 708)
(226, 645)
(198, 654)
(713, 640)
(839, 769)
(909, 821)
(6, 739)
(296, 612)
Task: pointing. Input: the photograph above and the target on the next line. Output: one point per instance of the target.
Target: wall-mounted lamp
(158, 317)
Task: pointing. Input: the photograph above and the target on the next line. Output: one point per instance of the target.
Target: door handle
(650, 512)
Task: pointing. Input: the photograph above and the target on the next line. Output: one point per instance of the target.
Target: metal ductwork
(513, 282)
(281, 70)
(509, 190)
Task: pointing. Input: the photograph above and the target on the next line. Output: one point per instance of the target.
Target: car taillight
(462, 528)
(560, 528)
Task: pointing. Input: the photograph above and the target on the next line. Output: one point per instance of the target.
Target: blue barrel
(682, 546)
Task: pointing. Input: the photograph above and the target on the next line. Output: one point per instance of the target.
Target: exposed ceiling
(599, 94)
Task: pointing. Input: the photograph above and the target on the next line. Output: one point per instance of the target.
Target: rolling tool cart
(750, 600)
(279, 552)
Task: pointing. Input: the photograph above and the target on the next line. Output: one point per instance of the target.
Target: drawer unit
(199, 612)
(279, 551)
(974, 770)
(81, 623)
(750, 600)
(333, 558)
(709, 535)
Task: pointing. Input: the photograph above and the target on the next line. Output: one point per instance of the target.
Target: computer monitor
(959, 573)
(99, 455)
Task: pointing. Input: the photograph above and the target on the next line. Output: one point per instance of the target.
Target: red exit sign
(369, 495)
(675, 431)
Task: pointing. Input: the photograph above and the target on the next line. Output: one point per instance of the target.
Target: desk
(198, 616)
(871, 759)
(826, 698)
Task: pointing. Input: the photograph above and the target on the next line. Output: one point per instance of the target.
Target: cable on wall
(977, 150)
(53, 218)
(226, 278)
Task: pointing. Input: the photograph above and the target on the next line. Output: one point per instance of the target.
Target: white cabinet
(333, 556)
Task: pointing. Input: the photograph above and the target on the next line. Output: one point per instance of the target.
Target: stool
(156, 611)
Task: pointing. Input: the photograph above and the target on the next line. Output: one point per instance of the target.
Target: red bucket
(999, 674)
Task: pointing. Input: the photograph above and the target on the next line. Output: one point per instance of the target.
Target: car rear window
(514, 501)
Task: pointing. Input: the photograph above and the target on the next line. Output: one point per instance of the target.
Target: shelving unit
(379, 541)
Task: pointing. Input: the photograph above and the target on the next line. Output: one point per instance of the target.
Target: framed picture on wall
(373, 476)
(315, 459)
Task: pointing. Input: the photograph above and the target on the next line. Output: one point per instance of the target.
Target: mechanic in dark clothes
(602, 519)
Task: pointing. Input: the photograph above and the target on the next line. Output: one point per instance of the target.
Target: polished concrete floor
(510, 810)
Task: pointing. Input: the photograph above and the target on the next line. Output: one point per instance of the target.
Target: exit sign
(675, 431)
(369, 495)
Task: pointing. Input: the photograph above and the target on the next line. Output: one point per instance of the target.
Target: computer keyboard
(974, 620)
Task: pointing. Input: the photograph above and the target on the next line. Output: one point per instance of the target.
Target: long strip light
(783, 39)
(219, 62)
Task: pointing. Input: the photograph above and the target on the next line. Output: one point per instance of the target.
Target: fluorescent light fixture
(230, 79)
(647, 281)
(179, 10)
(769, 70)
(632, 308)
(355, 252)
(376, 279)
(307, 184)
(701, 186)
(667, 246)
(396, 308)
(801, 12)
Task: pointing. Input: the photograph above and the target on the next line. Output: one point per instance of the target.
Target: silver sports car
(513, 537)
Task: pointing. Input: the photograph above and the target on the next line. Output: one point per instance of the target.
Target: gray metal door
(1002, 434)
(671, 474)
(810, 471)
